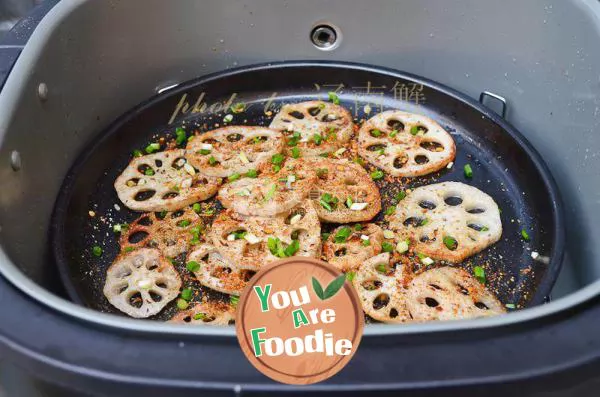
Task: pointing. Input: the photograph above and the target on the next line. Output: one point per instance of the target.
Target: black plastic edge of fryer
(555, 353)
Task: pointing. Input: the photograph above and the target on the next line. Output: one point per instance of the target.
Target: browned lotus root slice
(141, 283)
(170, 233)
(387, 141)
(163, 181)
(251, 246)
(218, 273)
(272, 192)
(448, 221)
(360, 246)
(381, 291)
(448, 293)
(233, 150)
(323, 127)
(206, 313)
(338, 181)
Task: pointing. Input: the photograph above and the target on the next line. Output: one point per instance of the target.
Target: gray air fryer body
(88, 62)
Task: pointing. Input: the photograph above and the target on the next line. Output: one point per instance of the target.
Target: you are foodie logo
(299, 321)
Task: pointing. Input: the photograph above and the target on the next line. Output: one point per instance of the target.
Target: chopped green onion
(234, 177)
(199, 316)
(204, 152)
(197, 208)
(390, 210)
(350, 276)
(238, 107)
(424, 221)
(328, 201)
(325, 205)
(182, 304)
(239, 234)
(366, 243)
(181, 136)
(277, 248)
(377, 175)
(387, 247)
(349, 202)
(450, 243)
(119, 227)
(137, 153)
(293, 140)
(153, 147)
(234, 300)
(525, 235)
(358, 161)
(325, 236)
(228, 118)
(192, 266)
(295, 152)
(271, 193)
(376, 133)
(402, 246)
(342, 235)
(510, 306)
(318, 139)
(212, 160)
(128, 249)
(358, 227)
(468, 171)
(485, 229)
(184, 223)
(414, 130)
(401, 195)
(277, 159)
(334, 98)
(97, 250)
(149, 172)
(291, 249)
(479, 274)
(187, 294)
(381, 268)
(252, 173)
(393, 133)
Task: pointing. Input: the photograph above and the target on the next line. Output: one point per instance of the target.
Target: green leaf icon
(331, 289)
(317, 288)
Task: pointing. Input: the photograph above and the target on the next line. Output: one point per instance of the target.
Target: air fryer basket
(504, 166)
(87, 62)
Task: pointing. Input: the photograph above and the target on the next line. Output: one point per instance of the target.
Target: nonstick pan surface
(504, 164)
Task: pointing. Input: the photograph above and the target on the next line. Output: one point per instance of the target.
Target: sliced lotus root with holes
(449, 293)
(141, 283)
(206, 313)
(233, 150)
(405, 144)
(218, 273)
(448, 221)
(244, 239)
(272, 192)
(323, 127)
(381, 291)
(163, 181)
(338, 181)
(359, 246)
(171, 233)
